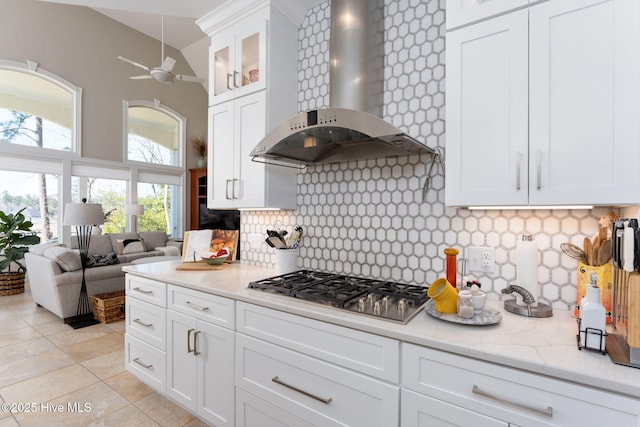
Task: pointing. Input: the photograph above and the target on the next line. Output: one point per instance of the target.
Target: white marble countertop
(542, 346)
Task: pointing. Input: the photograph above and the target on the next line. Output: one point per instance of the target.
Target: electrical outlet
(481, 259)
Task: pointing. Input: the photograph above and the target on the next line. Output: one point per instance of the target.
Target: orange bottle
(451, 254)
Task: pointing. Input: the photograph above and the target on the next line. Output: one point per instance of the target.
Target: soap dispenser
(592, 318)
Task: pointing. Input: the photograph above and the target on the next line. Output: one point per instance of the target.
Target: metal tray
(489, 316)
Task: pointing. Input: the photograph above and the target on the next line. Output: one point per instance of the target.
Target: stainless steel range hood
(350, 129)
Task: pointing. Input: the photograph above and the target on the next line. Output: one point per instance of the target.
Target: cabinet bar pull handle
(189, 341)
(235, 82)
(539, 169)
(233, 192)
(306, 393)
(199, 307)
(142, 290)
(548, 411)
(140, 322)
(518, 166)
(137, 360)
(227, 192)
(195, 343)
(229, 85)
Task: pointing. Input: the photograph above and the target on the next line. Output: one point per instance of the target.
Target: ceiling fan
(163, 73)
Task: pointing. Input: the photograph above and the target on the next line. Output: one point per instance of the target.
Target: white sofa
(55, 273)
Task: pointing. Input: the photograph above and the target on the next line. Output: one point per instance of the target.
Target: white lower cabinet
(200, 367)
(290, 367)
(465, 391)
(311, 389)
(181, 342)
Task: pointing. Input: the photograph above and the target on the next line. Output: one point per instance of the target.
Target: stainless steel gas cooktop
(383, 299)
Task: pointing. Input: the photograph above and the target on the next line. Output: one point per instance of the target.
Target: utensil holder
(444, 296)
(604, 275)
(286, 261)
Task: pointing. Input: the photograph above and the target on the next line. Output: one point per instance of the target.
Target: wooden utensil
(588, 250)
(604, 252)
(602, 234)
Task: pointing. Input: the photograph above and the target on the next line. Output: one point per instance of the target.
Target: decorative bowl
(214, 261)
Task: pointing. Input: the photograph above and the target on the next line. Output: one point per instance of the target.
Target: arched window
(38, 109)
(154, 133)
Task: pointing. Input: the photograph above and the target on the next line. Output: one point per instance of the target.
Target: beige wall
(81, 46)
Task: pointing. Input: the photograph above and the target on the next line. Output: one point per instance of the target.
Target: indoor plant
(200, 146)
(15, 235)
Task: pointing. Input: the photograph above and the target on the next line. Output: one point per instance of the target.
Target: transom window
(155, 134)
(37, 108)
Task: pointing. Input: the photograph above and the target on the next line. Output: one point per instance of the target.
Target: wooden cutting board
(200, 266)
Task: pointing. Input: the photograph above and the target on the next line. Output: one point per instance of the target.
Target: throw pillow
(132, 247)
(122, 245)
(68, 260)
(99, 260)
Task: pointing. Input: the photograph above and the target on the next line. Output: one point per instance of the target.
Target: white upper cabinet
(584, 105)
(548, 117)
(461, 12)
(253, 84)
(486, 98)
(238, 61)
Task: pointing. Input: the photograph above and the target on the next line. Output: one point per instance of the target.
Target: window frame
(32, 68)
(182, 134)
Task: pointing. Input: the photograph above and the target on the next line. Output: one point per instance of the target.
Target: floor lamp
(134, 210)
(84, 216)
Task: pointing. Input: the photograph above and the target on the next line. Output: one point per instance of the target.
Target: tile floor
(72, 377)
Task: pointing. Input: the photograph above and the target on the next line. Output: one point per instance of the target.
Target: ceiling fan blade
(184, 78)
(144, 67)
(168, 64)
(141, 77)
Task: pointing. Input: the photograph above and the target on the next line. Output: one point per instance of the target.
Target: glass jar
(465, 304)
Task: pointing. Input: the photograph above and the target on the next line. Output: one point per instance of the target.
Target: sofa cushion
(101, 260)
(99, 244)
(153, 239)
(67, 259)
(121, 236)
(132, 247)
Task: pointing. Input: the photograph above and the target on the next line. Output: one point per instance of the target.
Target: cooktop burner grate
(389, 300)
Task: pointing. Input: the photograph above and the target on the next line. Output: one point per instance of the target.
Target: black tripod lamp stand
(84, 216)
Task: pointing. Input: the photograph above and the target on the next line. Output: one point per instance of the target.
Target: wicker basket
(108, 307)
(11, 283)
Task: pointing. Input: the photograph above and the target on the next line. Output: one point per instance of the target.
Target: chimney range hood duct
(351, 128)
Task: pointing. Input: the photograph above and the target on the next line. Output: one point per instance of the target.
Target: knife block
(604, 275)
(633, 312)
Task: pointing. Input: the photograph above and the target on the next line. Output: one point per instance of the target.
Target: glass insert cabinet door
(461, 12)
(238, 61)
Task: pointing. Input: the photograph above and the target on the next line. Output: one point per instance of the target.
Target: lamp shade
(83, 214)
(134, 209)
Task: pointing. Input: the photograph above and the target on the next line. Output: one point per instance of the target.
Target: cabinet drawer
(203, 306)
(511, 395)
(419, 410)
(146, 362)
(147, 322)
(369, 354)
(297, 382)
(147, 290)
(252, 411)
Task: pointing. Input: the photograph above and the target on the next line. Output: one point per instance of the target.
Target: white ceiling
(180, 29)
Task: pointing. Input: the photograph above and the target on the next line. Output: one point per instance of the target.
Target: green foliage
(15, 235)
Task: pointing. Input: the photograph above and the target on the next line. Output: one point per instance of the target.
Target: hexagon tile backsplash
(368, 218)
